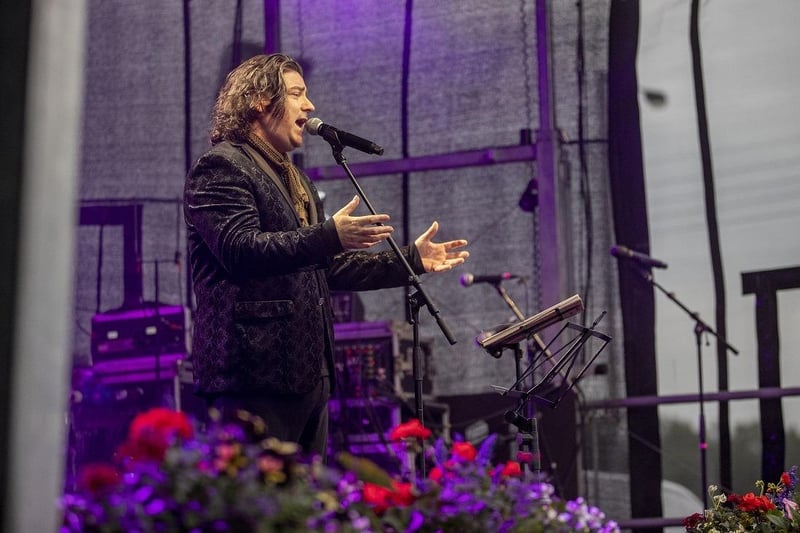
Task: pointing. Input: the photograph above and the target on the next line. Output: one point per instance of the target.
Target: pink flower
(225, 454)
(525, 457)
(790, 508)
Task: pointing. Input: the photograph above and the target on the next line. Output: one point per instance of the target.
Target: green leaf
(365, 469)
(776, 519)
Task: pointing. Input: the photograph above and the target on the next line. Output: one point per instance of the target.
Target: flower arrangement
(774, 509)
(169, 477)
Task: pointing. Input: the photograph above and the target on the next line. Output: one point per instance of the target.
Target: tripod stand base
(557, 434)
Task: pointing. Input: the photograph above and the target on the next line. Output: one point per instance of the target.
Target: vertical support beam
(552, 241)
(637, 301)
(555, 249)
(14, 36)
(765, 285)
(272, 26)
(43, 318)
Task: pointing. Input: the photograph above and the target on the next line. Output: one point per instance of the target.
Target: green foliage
(170, 480)
(681, 458)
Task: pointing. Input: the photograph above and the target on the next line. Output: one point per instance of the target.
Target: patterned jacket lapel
(266, 168)
(273, 176)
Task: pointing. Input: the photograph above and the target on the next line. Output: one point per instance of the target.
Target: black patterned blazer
(263, 321)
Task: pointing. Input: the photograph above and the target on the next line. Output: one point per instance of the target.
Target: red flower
(464, 451)
(412, 428)
(693, 521)
(151, 433)
(147, 448)
(381, 498)
(98, 478)
(376, 496)
(162, 421)
(751, 502)
(512, 469)
(785, 479)
(403, 495)
(438, 473)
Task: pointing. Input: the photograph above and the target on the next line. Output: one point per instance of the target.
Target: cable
(536, 259)
(715, 250)
(177, 259)
(404, 95)
(187, 122)
(584, 172)
(405, 178)
(236, 45)
(99, 281)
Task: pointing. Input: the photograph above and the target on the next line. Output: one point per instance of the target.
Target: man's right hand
(360, 232)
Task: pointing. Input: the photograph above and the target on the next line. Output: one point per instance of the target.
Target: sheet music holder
(532, 325)
(562, 366)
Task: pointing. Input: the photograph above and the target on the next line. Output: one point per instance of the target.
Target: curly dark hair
(246, 87)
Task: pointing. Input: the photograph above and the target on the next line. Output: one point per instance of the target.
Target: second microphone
(470, 279)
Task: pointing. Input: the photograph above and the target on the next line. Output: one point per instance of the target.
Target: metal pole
(551, 234)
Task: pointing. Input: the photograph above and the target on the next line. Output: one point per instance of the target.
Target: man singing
(264, 257)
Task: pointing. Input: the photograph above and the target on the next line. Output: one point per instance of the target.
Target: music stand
(562, 362)
(518, 331)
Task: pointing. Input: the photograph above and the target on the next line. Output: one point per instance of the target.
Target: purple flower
(155, 507)
(182, 489)
(143, 494)
(417, 520)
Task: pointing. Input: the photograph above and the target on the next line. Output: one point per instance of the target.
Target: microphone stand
(526, 425)
(498, 285)
(517, 313)
(416, 299)
(700, 327)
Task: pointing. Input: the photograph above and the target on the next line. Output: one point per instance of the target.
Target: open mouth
(301, 122)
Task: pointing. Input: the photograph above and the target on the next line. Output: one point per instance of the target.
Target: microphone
(315, 126)
(469, 279)
(622, 252)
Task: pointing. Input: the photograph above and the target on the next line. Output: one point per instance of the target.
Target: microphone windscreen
(313, 125)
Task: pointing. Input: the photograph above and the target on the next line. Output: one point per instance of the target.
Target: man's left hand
(439, 256)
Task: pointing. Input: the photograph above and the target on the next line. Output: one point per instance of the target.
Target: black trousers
(301, 418)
